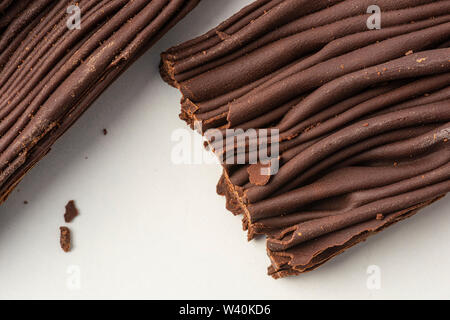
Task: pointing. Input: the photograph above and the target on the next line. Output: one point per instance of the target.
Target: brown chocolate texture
(50, 74)
(363, 116)
(71, 211)
(65, 239)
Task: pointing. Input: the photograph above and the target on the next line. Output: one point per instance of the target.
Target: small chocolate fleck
(65, 239)
(256, 175)
(71, 211)
(25, 202)
(105, 132)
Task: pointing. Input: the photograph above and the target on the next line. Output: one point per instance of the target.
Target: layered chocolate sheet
(53, 66)
(363, 116)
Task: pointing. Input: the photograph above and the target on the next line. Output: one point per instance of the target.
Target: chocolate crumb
(105, 132)
(65, 239)
(71, 211)
(25, 202)
(256, 176)
(380, 216)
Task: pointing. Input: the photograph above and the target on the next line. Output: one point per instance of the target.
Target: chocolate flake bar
(51, 73)
(363, 117)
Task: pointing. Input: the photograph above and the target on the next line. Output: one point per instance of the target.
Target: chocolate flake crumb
(65, 239)
(71, 211)
(256, 176)
(105, 132)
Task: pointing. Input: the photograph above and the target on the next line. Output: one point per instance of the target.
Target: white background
(150, 229)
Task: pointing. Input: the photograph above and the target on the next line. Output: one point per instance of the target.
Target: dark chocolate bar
(363, 117)
(51, 72)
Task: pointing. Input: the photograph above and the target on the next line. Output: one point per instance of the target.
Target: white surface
(154, 230)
